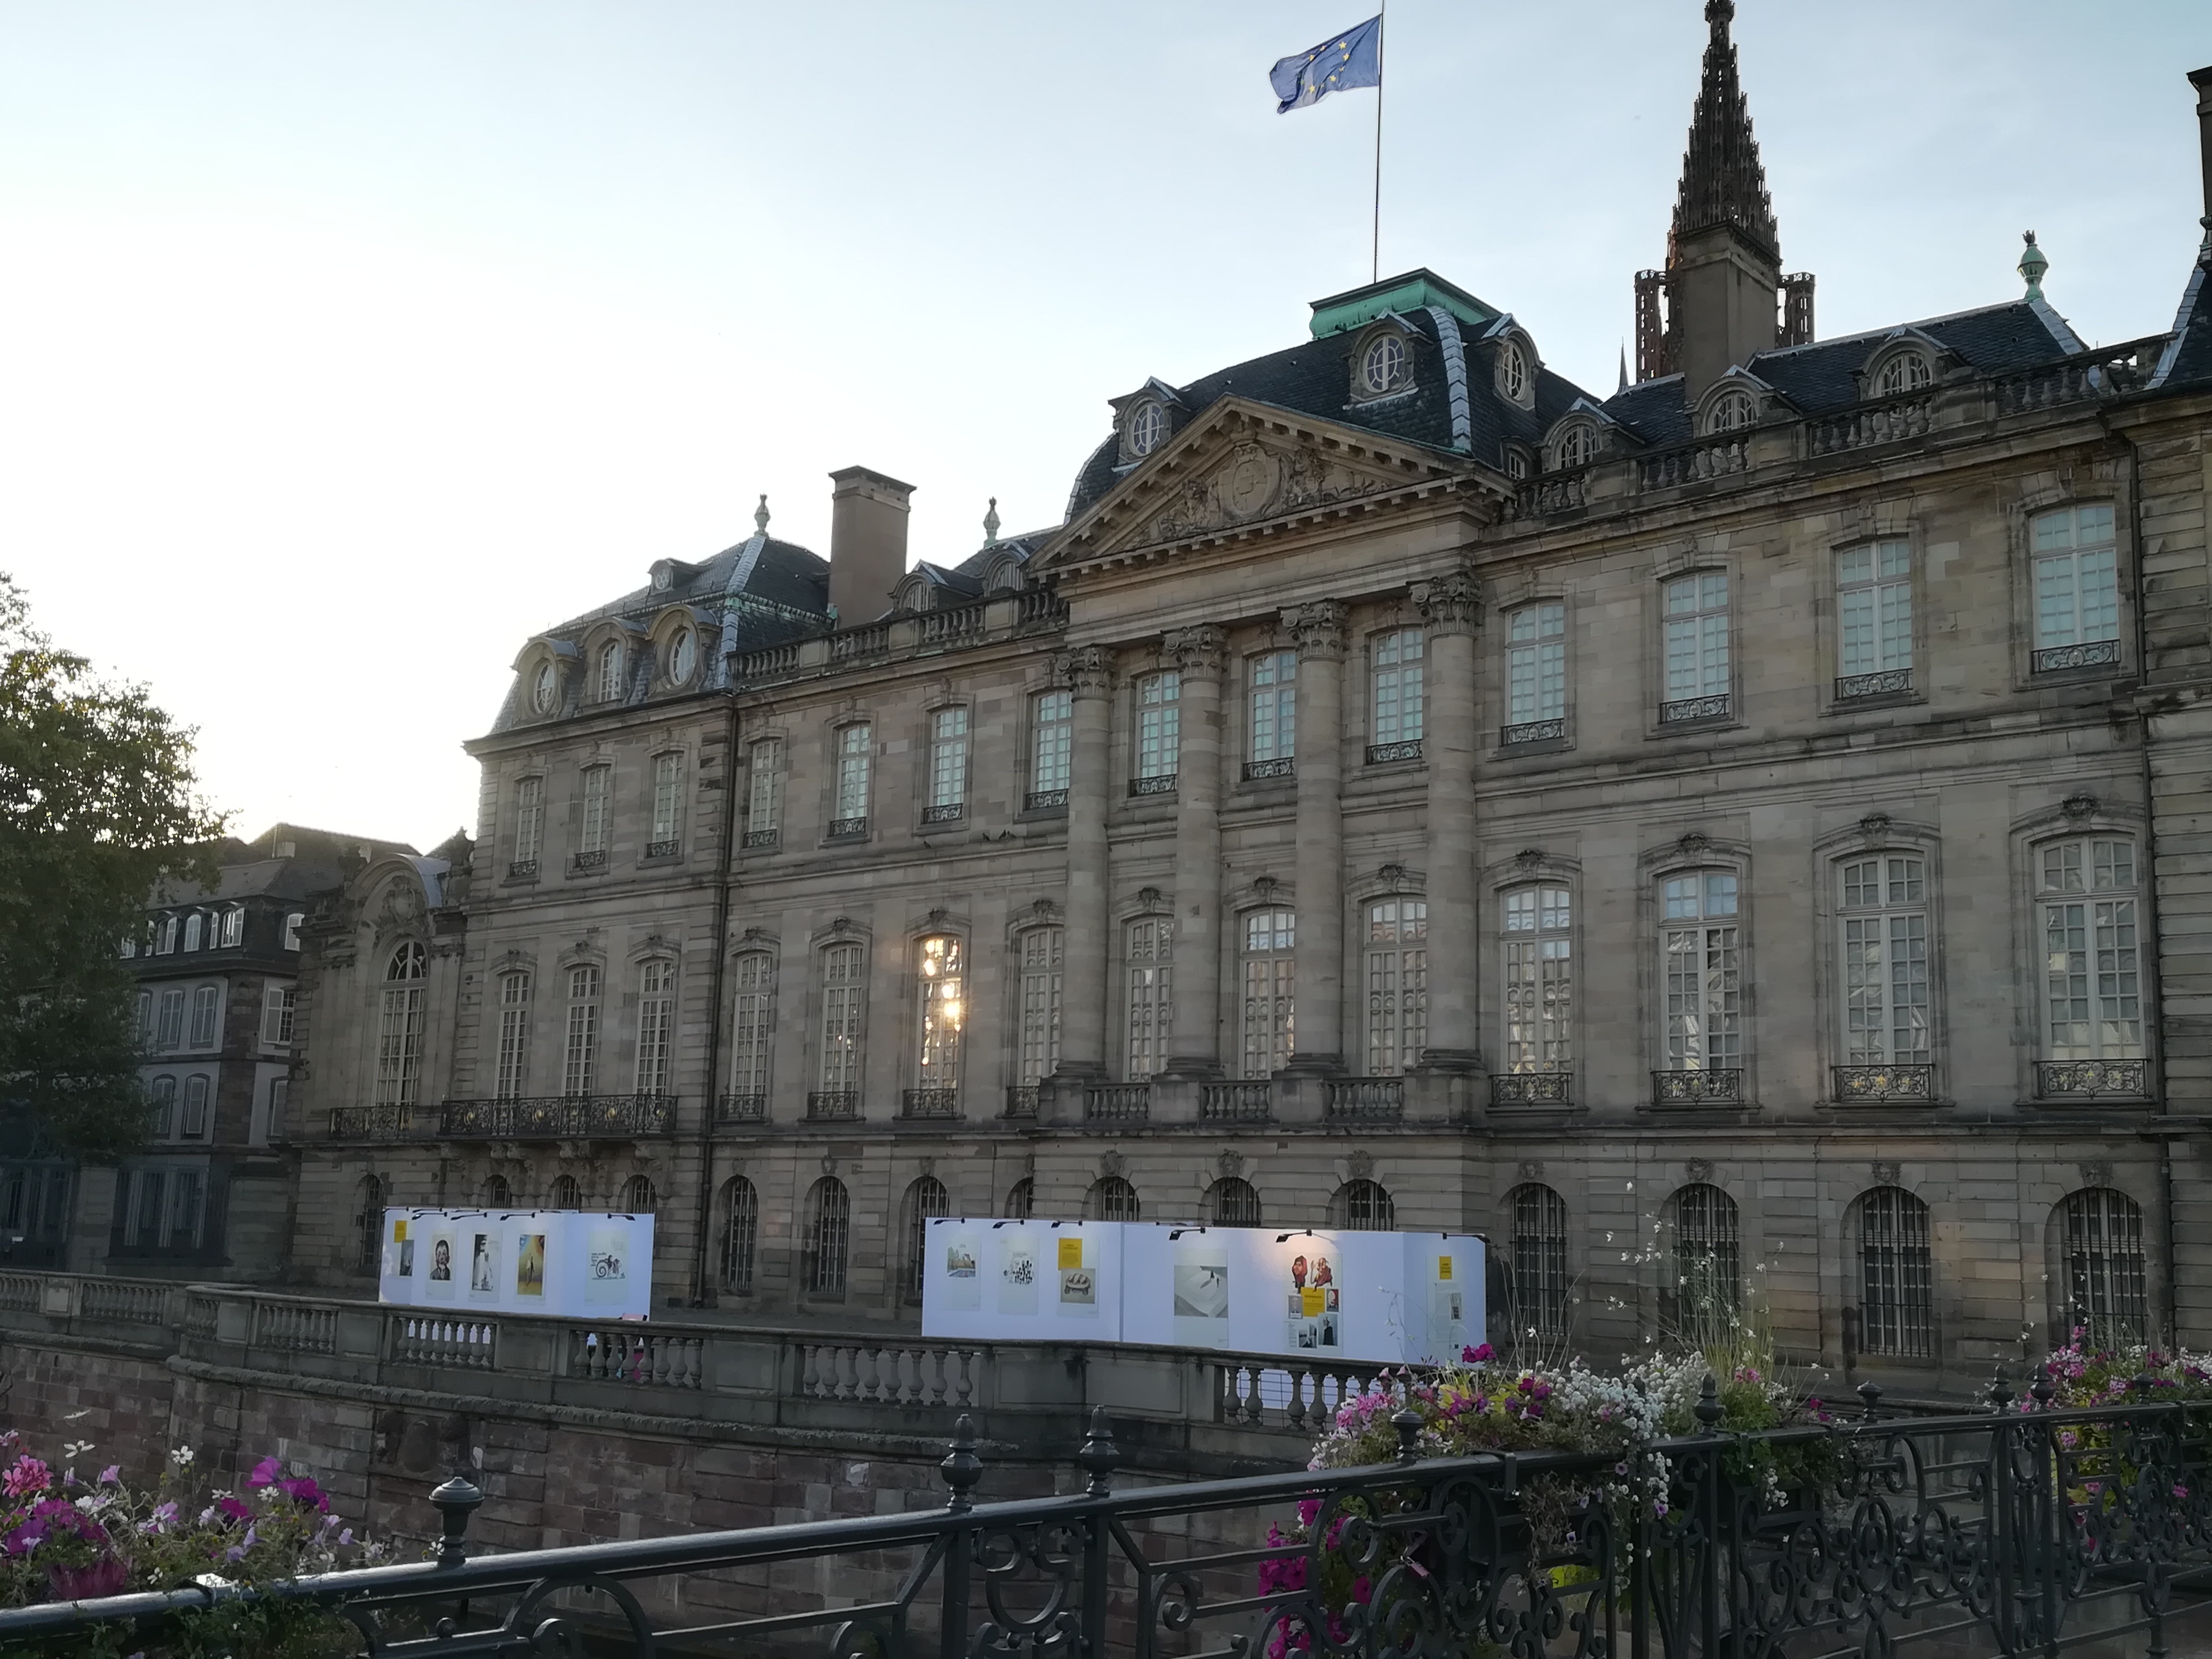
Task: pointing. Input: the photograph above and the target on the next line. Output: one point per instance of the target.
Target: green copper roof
(1342, 313)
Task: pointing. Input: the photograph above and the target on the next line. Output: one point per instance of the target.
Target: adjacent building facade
(1733, 841)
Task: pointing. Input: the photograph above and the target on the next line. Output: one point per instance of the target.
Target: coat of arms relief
(1257, 481)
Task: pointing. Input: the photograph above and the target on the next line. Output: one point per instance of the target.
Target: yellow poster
(1311, 1301)
(399, 1230)
(1443, 1267)
(1071, 1253)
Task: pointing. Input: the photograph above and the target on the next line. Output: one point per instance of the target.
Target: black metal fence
(2003, 1531)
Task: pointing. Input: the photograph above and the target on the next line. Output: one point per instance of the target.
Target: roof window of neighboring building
(1383, 365)
(1148, 424)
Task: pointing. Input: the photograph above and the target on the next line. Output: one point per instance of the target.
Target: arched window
(942, 1011)
(1383, 365)
(1513, 372)
(167, 938)
(829, 1230)
(1361, 1206)
(1733, 412)
(568, 1194)
(1270, 974)
(1147, 425)
(1896, 1275)
(580, 1055)
(1575, 447)
(1704, 1285)
(638, 1196)
(656, 1025)
(683, 655)
(1111, 1198)
(368, 1224)
(1021, 1199)
(1397, 984)
(1540, 979)
(495, 1194)
(192, 930)
(514, 1034)
(545, 687)
(1905, 372)
(1151, 1007)
(610, 672)
(1232, 1202)
(399, 1027)
(740, 1235)
(2103, 1275)
(1538, 1256)
(925, 1198)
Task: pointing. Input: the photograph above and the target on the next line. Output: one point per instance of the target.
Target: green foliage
(97, 802)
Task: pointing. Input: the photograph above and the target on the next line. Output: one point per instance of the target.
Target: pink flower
(233, 1508)
(303, 1491)
(26, 1475)
(264, 1473)
(1477, 1355)
(111, 1475)
(109, 1576)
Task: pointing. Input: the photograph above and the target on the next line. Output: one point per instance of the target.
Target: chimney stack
(2202, 80)
(867, 542)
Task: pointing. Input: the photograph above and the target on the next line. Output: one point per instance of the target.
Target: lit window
(1042, 949)
(1575, 446)
(1537, 664)
(399, 1029)
(764, 791)
(1399, 712)
(855, 752)
(1383, 366)
(1270, 990)
(844, 1002)
(753, 1030)
(2077, 595)
(2093, 972)
(1896, 1275)
(165, 1107)
(1160, 725)
(1150, 1010)
(580, 1054)
(1147, 425)
(207, 1003)
(1732, 412)
(1700, 1296)
(829, 1230)
(1873, 606)
(194, 1124)
(610, 672)
(1905, 372)
(740, 1234)
(2102, 1268)
(683, 656)
(1052, 747)
(1538, 1258)
(1701, 972)
(656, 1025)
(598, 788)
(1698, 639)
(943, 1012)
(1397, 985)
(545, 687)
(514, 1034)
(1540, 980)
(948, 762)
(667, 805)
(1275, 711)
(529, 822)
(1883, 918)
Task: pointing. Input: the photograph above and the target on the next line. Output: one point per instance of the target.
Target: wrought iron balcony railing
(756, 840)
(2092, 1079)
(930, 1103)
(1382, 754)
(741, 1109)
(950, 812)
(1161, 783)
(1685, 709)
(520, 869)
(1531, 732)
(1886, 682)
(1045, 800)
(663, 849)
(564, 1117)
(2096, 654)
(1367, 1099)
(1882, 1085)
(372, 1123)
(848, 829)
(1256, 770)
(1022, 1100)
(589, 861)
(1532, 1088)
(1722, 1087)
(834, 1106)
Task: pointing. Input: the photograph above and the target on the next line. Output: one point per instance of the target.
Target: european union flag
(1339, 63)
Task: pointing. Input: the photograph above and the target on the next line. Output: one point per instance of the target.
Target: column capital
(1087, 670)
(1320, 628)
(1452, 602)
(1200, 650)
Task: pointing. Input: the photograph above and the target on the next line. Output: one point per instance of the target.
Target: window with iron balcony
(948, 767)
(1883, 974)
(764, 794)
(855, 752)
(1701, 991)
(2077, 595)
(2088, 895)
(1159, 736)
(1535, 675)
(1698, 645)
(1398, 701)
(1052, 750)
(1272, 718)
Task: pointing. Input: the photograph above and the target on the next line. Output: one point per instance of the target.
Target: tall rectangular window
(1540, 980)
(514, 1034)
(192, 925)
(277, 1005)
(1151, 1009)
(1042, 949)
(598, 783)
(2093, 969)
(195, 1124)
(1270, 972)
(234, 926)
(764, 792)
(1400, 707)
(1874, 610)
(753, 1023)
(2077, 587)
(948, 764)
(170, 1032)
(1701, 972)
(580, 1054)
(399, 1045)
(943, 1012)
(667, 805)
(656, 1025)
(844, 1003)
(1883, 917)
(529, 823)
(1397, 984)
(1159, 726)
(207, 1002)
(165, 1107)
(1697, 647)
(1536, 672)
(856, 754)
(1052, 747)
(1274, 724)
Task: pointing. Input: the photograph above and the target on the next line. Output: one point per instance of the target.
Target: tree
(98, 802)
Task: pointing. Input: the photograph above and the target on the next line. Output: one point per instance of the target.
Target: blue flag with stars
(1353, 58)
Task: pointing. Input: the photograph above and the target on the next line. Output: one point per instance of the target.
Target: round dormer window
(1577, 447)
(1383, 366)
(1148, 424)
(1734, 412)
(1905, 372)
(1513, 372)
(544, 687)
(683, 655)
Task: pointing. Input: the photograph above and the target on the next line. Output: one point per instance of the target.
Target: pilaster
(1319, 629)
(1448, 744)
(1088, 672)
(1200, 654)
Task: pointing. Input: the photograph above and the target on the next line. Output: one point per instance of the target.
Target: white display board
(575, 1264)
(1315, 1293)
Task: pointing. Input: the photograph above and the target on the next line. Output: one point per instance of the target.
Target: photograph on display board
(483, 1267)
(963, 1281)
(1017, 1275)
(1313, 1303)
(439, 1282)
(1079, 1279)
(606, 1267)
(399, 1259)
(530, 1265)
(1201, 1291)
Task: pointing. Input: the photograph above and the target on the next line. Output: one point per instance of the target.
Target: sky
(344, 346)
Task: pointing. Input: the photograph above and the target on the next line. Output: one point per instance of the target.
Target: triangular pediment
(1246, 468)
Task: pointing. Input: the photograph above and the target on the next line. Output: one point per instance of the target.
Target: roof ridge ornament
(760, 515)
(2033, 265)
(991, 524)
(1723, 185)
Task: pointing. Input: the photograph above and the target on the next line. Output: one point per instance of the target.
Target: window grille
(1150, 1009)
(580, 1053)
(740, 1235)
(844, 1000)
(925, 1199)
(1896, 1275)
(1042, 951)
(1270, 990)
(1397, 985)
(1361, 1206)
(369, 1225)
(656, 1025)
(568, 1193)
(828, 1228)
(2105, 1278)
(496, 1193)
(1021, 1199)
(1231, 1202)
(514, 1034)
(1111, 1199)
(1705, 1289)
(639, 1196)
(1540, 980)
(1538, 1258)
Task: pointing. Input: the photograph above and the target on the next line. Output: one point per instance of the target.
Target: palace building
(1738, 841)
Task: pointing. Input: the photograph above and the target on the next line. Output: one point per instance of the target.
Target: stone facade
(1740, 837)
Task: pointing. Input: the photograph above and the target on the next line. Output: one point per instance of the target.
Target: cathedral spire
(1724, 186)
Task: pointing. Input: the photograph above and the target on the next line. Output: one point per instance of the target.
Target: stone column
(1195, 1047)
(1319, 629)
(1448, 745)
(1088, 672)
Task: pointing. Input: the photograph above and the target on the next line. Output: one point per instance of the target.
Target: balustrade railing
(859, 644)
(898, 1375)
(1113, 1102)
(1367, 1099)
(1555, 492)
(1040, 607)
(561, 1117)
(2107, 372)
(1866, 425)
(930, 1103)
(768, 662)
(1245, 1101)
(1022, 1100)
(292, 1327)
(629, 1353)
(1718, 456)
(952, 627)
(424, 1340)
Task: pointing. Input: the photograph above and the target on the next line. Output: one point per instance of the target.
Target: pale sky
(342, 346)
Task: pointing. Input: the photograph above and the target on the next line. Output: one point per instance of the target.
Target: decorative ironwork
(1162, 784)
(1532, 1088)
(1117, 1101)
(1715, 1088)
(1246, 1100)
(2091, 1079)
(848, 829)
(1022, 1100)
(564, 1117)
(741, 1109)
(948, 813)
(1045, 800)
(1365, 1099)
(663, 849)
(1696, 708)
(2096, 654)
(2002, 1531)
(521, 868)
(1254, 770)
(589, 861)
(1382, 754)
(1882, 1083)
(1531, 732)
(931, 1102)
(1889, 682)
(834, 1106)
(372, 1122)
(754, 840)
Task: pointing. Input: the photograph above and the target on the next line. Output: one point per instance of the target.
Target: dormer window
(683, 656)
(1513, 372)
(1516, 464)
(1575, 447)
(1732, 412)
(1148, 424)
(546, 688)
(1908, 371)
(1383, 365)
(610, 672)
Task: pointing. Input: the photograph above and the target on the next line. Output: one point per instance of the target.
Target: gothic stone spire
(1722, 183)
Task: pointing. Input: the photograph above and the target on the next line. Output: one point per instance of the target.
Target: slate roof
(2187, 359)
(781, 574)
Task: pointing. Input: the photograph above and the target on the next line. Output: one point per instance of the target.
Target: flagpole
(1375, 246)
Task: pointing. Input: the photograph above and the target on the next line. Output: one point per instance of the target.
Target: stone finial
(760, 516)
(2033, 265)
(991, 524)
